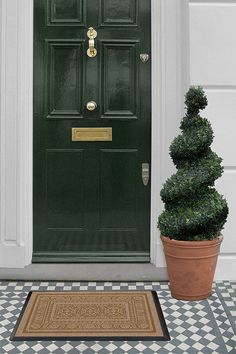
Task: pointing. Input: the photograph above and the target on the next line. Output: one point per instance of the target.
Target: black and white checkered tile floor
(201, 327)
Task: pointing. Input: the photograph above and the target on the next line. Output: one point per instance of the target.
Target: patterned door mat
(100, 315)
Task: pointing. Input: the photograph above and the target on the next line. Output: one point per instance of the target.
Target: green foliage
(195, 100)
(194, 210)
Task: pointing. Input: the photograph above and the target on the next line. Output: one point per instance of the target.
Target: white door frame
(169, 81)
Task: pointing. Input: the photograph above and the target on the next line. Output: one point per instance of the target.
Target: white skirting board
(12, 256)
(226, 267)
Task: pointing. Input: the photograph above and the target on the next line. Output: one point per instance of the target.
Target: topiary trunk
(194, 210)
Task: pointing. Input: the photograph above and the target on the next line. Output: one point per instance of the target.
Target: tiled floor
(199, 327)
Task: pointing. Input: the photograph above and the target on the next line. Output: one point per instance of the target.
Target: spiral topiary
(194, 210)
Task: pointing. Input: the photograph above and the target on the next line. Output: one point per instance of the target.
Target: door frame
(169, 82)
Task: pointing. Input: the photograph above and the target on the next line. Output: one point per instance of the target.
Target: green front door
(91, 202)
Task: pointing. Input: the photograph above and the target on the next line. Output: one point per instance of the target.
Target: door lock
(144, 57)
(92, 34)
(145, 173)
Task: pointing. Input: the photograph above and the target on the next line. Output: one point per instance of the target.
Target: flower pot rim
(192, 243)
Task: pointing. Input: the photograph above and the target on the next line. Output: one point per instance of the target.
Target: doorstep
(87, 272)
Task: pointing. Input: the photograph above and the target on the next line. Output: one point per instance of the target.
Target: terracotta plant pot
(191, 267)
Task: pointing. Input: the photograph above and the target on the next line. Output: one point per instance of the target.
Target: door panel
(64, 79)
(69, 12)
(90, 204)
(119, 79)
(120, 192)
(64, 170)
(118, 12)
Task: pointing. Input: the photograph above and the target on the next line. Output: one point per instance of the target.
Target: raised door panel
(66, 13)
(64, 79)
(65, 188)
(118, 12)
(119, 80)
(118, 189)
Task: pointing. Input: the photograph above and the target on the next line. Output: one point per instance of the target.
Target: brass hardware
(91, 52)
(92, 33)
(91, 106)
(145, 173)
(144, 57)
(92, 134)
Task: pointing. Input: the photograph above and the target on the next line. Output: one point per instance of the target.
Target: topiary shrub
(194, 210)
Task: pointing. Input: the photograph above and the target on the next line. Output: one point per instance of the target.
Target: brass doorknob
(91, 106)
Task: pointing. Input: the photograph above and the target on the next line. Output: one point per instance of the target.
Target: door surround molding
(169, 55)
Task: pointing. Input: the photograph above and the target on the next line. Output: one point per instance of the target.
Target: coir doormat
(86, 315)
